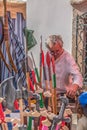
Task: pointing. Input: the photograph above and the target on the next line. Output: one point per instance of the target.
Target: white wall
(47, 17)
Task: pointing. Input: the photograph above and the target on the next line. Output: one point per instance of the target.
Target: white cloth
(82, 123)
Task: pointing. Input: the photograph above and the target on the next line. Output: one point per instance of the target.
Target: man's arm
(77, 77)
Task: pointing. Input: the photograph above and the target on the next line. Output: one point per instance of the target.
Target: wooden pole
(41, 62)
(54, 84)
(48, 61)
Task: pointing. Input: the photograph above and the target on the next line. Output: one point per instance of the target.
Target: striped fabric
(16, 41)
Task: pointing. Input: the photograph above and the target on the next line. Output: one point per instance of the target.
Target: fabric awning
(80, 5)
(14, 7)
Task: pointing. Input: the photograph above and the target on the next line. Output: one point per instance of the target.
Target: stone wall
(80, 44)
(75, 12)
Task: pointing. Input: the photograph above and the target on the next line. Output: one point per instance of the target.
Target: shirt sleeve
(74, 70)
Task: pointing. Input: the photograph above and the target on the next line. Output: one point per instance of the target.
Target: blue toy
(83, 99)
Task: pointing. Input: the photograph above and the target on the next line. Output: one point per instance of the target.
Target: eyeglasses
(55, 52)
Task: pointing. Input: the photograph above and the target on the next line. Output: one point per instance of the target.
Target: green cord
(54, 81)
(41, 101)
(38, 78)
(29, 124)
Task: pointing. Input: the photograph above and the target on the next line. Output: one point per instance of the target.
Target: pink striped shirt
(67, 72)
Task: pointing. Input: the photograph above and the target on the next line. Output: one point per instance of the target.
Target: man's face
(55, 50)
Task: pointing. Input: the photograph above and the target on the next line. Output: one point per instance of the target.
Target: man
(68, 76)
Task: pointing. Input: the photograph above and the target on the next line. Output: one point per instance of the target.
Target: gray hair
(54, 39)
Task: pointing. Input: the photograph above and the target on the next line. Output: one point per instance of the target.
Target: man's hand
(71, 92)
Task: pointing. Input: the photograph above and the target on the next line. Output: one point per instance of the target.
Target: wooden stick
(19, 91)
(21, 111)
(48, 61)
(36, 70)
(38, 78)
(47, 99)
(4, 126)
(41, 62)
(54, 84)
(27, 80)
(2, 57)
